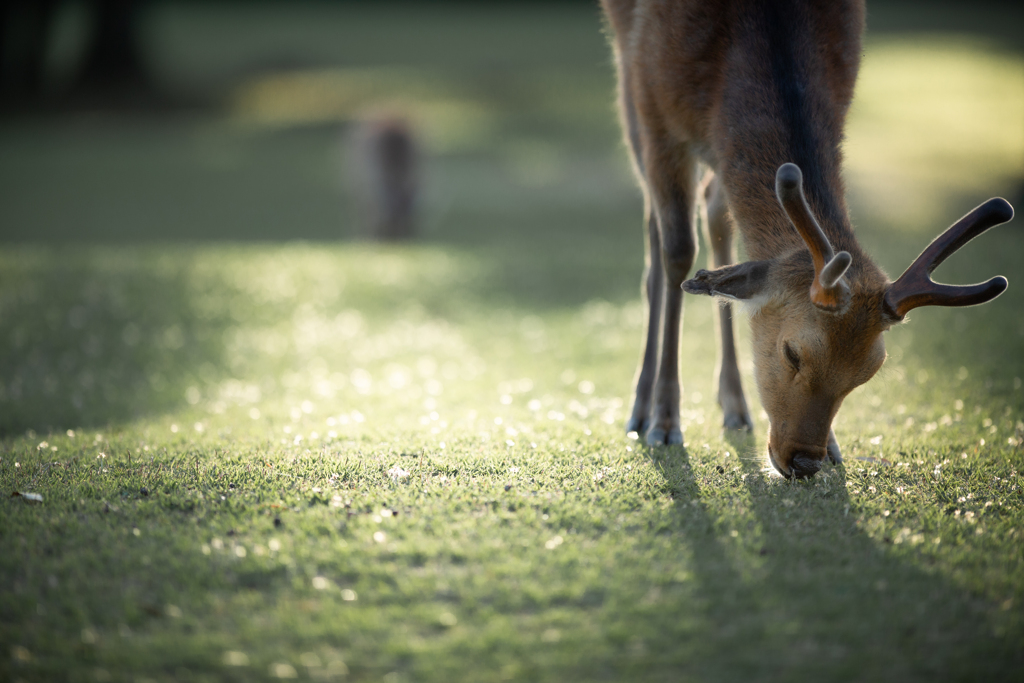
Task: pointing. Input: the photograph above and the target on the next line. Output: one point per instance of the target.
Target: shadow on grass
(100, 337)
(794, 589)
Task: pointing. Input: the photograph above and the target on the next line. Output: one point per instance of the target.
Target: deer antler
(915, 288)
(827, 290)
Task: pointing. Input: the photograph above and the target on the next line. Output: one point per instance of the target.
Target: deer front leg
(834, 454)
(718, 233)
(670, 173)
(653, 287)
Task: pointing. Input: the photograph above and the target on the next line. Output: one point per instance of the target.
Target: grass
(336, 460)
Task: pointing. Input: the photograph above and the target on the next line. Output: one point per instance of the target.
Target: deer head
(818, 317)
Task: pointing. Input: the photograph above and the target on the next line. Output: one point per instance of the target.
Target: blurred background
(161, 120)
(172, 172)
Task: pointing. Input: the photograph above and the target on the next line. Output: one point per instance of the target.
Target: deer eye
(791, 356)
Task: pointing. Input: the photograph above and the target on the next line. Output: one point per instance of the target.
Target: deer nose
(804, 465)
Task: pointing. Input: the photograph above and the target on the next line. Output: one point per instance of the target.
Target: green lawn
(261, 458)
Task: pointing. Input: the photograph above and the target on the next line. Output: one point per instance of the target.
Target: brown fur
(744, 86)
(748, 88)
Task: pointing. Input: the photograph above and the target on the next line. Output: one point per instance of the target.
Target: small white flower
(397, 473)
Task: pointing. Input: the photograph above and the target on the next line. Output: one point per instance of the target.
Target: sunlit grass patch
(346, 461)
(935, 119)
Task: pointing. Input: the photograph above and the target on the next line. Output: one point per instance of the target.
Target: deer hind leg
(718, 232)
(670, 173)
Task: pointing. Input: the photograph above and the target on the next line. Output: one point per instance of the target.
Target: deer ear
(740, 281)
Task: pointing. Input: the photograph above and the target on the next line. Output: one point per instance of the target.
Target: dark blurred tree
(111, 63)
(24, 37)
(113, 58)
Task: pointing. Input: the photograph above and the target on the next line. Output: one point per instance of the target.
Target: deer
(733, 111)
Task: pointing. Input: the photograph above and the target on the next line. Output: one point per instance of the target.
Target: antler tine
(916, 288)
(826, 290)
(835, 269)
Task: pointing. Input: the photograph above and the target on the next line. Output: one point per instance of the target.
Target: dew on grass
(235, 658)
(274, 545)
(136, 532)
(205, 548)
(254, 413)
(173, 611)
(320, 583)
(310, 660)
(174, 429)
(553, 543)
(362, 380)
(447, 619)
(283, 670)
(380, 537)
(240, 551)
(551, 635)
(349, 595)
(586, 387)
(217, 544)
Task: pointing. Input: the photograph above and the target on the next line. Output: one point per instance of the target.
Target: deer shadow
(776, 607)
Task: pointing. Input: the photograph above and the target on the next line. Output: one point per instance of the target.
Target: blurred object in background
(383, 176)
(109, 63)
(25, 28)
(113, 59)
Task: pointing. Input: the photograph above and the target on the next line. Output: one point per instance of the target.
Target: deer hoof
(834, 453)
(738, 422)
(637, 423)
(664, 437)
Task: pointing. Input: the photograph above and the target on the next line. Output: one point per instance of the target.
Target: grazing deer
(758, 91)
(383, 173)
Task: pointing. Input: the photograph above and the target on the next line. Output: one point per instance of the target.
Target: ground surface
(334, 460)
